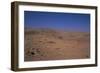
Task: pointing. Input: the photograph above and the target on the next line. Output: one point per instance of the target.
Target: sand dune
(49, 44)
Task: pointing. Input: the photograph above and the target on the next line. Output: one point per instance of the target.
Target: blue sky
(58, 21)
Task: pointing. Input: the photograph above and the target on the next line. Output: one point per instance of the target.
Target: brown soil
(46, 44)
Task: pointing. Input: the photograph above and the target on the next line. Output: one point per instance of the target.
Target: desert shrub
(60, 37)
(87, 56)
(51, 42)
(40, 41)
(32, 53)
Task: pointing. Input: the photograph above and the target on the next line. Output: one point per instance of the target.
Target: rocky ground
(49, 44)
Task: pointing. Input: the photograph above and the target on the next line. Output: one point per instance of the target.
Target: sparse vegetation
(52, 42)
(60, 37)
(47, 44)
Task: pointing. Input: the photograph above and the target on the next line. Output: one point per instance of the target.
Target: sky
(56, 20)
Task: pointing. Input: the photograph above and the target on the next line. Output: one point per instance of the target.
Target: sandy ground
(47, 44)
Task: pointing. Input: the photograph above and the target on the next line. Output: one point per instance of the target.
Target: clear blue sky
(60, 21)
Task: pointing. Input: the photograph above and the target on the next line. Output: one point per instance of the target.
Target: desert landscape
(44, 44)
